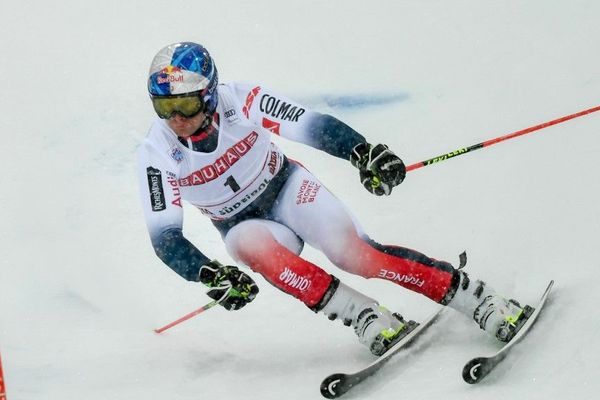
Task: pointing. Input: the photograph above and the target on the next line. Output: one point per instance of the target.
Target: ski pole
(490, 142)
(2, 384)
(186, 317)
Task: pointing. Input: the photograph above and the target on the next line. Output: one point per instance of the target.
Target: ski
(336, 385)
(478, 368)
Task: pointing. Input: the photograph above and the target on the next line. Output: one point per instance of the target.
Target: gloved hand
(230, 286)
(380, 169)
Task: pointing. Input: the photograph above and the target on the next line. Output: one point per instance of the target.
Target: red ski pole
(2, 384)
(490, 142)
(184, 318)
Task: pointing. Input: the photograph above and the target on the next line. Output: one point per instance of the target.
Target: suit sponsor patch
(222, 164)
(280, 109)
(249, 100)
(271, 125)
(157, 193)
(292, 279)
(176, 154)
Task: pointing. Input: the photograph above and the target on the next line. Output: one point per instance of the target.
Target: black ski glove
(380, 169)
(230, 286)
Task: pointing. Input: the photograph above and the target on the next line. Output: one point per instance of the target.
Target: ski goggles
(187, 105)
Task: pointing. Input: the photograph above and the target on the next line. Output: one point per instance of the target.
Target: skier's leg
(321, 220)
(272, 249)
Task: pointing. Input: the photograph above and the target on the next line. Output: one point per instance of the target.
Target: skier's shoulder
(241, 87)
(157, 142)
(235, 100)
(241, 90)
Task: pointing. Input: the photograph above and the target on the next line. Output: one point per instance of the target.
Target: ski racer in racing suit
(211, 147)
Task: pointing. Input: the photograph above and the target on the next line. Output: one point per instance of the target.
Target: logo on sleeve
(157, 194)
(280, 109)
(271, 125)
(249, 100)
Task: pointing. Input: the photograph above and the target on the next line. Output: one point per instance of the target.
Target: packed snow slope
(81, 289)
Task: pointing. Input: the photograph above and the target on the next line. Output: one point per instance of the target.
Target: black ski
(478, 368)
(336, 385)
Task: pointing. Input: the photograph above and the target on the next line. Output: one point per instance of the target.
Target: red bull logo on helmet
(169, 74)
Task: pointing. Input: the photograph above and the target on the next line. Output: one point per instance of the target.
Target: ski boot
(500, 317)
(376, 327)
(379, 329)
(493, 313)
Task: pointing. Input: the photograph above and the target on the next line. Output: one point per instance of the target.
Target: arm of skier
(380, 170)
(161, 202)
(292, 120)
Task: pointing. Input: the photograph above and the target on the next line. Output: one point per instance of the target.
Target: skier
(211, 147)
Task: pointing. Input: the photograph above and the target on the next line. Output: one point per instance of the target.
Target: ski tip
(334, 386)
(548, 289)
(475, 370)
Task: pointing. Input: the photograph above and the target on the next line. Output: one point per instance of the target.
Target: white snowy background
(81, 289)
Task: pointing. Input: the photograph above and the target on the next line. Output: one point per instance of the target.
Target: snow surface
(81, 290)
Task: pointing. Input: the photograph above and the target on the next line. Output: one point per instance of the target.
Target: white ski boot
(495, 314)
(499, 317)
(376, 327)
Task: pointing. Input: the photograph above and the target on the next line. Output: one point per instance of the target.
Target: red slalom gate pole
(2, 383)
(184, 318)
(490, 142)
